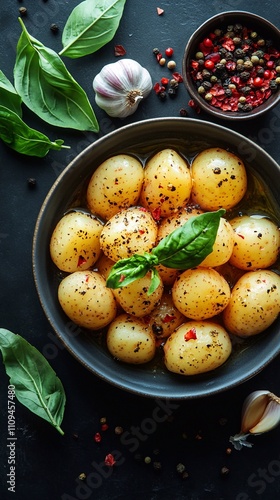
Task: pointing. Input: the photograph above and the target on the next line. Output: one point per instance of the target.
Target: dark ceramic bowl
(188, 136)
(220, 21)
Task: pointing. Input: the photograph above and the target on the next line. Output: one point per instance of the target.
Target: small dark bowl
(219, 21)
(142, 139)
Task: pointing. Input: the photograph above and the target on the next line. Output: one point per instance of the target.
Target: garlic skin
(120, 87)
(260, 413)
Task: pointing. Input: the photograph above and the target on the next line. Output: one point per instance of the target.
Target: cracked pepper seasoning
(236, 69)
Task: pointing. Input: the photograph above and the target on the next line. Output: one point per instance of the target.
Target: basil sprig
(8, 95)
(184, 248)
(48, 89)
(90, 26)
(36, 385)
(24, 139)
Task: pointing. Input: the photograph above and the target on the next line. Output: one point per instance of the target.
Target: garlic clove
(260, 413)
(121, 86)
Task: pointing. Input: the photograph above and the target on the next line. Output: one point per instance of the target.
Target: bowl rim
(188, 82)
(116, 374)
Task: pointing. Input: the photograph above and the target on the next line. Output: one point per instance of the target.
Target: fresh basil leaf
(190, 244)
(48, 89)
(23, 139)
(36, 385)
(155, 281)
(125, 271)
(90, 26)
(184, 248)
(8, 95)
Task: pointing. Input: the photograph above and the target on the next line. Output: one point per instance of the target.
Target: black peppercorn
(156, 51)
(206, 85)
(162, 95)
(228, 93)
(245, 75)
(54, 28)
(260, 71)
(273, 85)
(237, 28)
(247, 107)
(239, 53)
(172, 92)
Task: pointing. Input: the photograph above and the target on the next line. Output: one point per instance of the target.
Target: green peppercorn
(180, 468)
(218, 32)
(232, 86)
(147, 460)
(236, 40)
(248, 65)
(201, 90)
(254, 34)
(277, 69)
(242, 99)
(208, 97)
(261, 42)
(255, 59)
(277, 80)
(213, 79)
(199, 55)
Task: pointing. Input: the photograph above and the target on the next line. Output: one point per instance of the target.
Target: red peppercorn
(169, 52)
(267, 74)
(207, 42)
(164, 81)
(258, 81)
(97, 437)
(270, 64)
(209, 64)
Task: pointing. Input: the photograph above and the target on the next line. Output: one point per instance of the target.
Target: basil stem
(23, 139)
(36, 385)
(90, 26)
(48, 89)
(8, 95)
(184, 248)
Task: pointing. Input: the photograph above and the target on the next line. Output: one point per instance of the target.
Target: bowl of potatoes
(156, 258)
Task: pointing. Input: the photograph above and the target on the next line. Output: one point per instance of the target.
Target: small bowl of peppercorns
(231, 66)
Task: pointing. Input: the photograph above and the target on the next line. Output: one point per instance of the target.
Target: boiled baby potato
(254, 303)
(219, 179)
(128, 232)
(115, 184)
(75, 243)
(223, 246)
(86, 300)
(135, 299)
(256, 242)
(197, 347)
(200, 293)
(131, 340)
(165, 318)
(167, 183)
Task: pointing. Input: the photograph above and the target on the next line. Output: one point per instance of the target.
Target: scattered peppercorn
(54, 28)
(180, 468)
(118, 430)
(103, 420)
(169, 52)
(157, 466)
(240, 56)
(185, 475)
(183, 112)
(224, 471)
(23, 11)
(228, 451)
(31, 182)
(82, 476)
(171, 65)
(147, 460)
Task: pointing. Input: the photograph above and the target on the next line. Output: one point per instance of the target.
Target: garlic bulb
(120, 87)
(260, 413)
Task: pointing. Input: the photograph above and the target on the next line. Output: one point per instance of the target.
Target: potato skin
(75, 242)
(167, 183)
(134, 298)
(219, 179)
(115, 184)
(165, 318)
(256, 242)
(130, 340)
(86, 300)
(130, 231)
(254, 303)
(209, 350)
(200, 293)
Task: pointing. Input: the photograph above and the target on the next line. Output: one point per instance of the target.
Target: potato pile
(193, 314)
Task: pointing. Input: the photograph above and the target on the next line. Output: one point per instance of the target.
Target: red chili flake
(87, 278)
(168, 318)
(158, 88)
(195, 64)
(194, 105)
(97, 437)
(164, 81)
(141, 231)
(160, 11)
(104, 427)
(119, 50)
(178, 77)
(109, 460)
(143, 209)
(230, 65)
(228, 44)
(190, 334)
(156, 213)
(122, 278)
(241, 236)
(81, 260)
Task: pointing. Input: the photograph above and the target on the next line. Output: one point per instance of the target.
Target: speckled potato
(254, 303)
(86, 300)
(115, 184)
(223, 246)
(130, 231)
(167, 183)
(168, 224)
(165, 318)
(200, 293)
(134, 298)
(75, 243)
(130, 340)
(219, 179)
(197, 347)
(256, 242)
